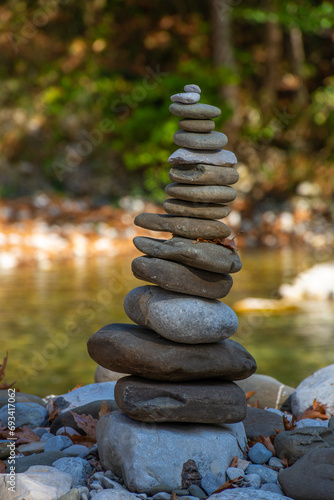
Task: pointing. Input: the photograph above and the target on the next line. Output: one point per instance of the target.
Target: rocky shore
(289, 452)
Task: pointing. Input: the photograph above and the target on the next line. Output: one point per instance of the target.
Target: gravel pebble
(259, 454)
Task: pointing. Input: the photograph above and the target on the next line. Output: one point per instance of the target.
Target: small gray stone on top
(77, 467)
(211, 482)
(198, 110)
(197, 140)
(259, 454)
(191, 156)
(57, 443)
(186, 97)
(194, 209)
(266, 474)
(192, 87)
(30, 414)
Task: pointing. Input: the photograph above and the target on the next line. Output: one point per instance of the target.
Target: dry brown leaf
(285, 462)
(174, 496)
(76, 387)
(234, 462)
(267, 442)
(52, 410)
(228, 485)
(289, 426)
(249, 394)
(84, 440)
(317, 410)
(104, 409)
(87, 423)
(4, 384)
(24, 435)
(2, 467)
(226, 242)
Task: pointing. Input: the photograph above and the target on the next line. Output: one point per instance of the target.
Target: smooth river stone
(192, 87)
(190, 156)
(186, 97)
(183, 226)
(202, 402)
(182, 279)
(209, 175)
(200, 210)
(193, 140)
(202, 194)
(197, 111)
(197, 125)
(178, 317)
(207, 256)
(132, 349)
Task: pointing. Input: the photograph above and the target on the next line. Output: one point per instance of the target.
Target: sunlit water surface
(47, 316)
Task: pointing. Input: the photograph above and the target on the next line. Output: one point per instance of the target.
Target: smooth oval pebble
(202, 255)
(186, 97)
(132, 349)
(179, 317)
(197, 125)
(198, 110)
(183, 226)
(182, 279)
(209, 175)
(201, 194)
(204, 402)
(190, 156)
(193, 140)
(192, 87)
(200, 210)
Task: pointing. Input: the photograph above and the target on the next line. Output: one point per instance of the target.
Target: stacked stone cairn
(181, 360)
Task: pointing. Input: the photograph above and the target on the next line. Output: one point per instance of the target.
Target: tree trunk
(298, 59)
(273, 43)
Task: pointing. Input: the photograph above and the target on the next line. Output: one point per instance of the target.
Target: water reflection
(47, 316)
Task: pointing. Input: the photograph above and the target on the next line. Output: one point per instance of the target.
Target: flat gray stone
(192, 87)
(311, 477)
(211, 482)
(151, 454)
(57, 443)
(84, 395)
(183, 226)
(144, 353)
(266, 474)
(190, 156)
(204, 402)
(207, 256)
(294, 444)
(30, 448)
(179, 317)
(197, 140)
(263, 422)
(204, 174)
(269, 392)
(195, 209)
(20, 397)
(47, 458)
(319, 386)
(77, 467)
(186, 97)
(197, 125)
(30, 414)
(198, 111)
(182, 279)
(201, 194)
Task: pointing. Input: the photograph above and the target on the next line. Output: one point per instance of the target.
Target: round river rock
(183, 226)
(204, 175)
(195, 209)
(186, 97)
(189, 192)
(206, 402)
(210, 140)
(198, 110)
(178, 317)
(180, 278)
(132, 349)
(202, 255)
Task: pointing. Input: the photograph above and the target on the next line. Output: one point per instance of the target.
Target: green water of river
(47, 316)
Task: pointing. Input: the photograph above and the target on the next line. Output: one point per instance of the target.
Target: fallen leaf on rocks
(24, 435)
(4, 384)
(2, 467)
(289, 426)
(76, 387)
(87, 423)
(285, 462)
(174, 496)
(249, 394)
(84, 440)
(317, 410)
(228, 485)
(226, 242)
(52, 410)
(234, 462)
(268, 443)
(104, 409)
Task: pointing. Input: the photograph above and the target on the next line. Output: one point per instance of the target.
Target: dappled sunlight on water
(47, 316)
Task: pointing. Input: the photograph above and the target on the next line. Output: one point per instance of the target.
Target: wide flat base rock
(202, 255)
(180, 317)
(144, 353)
(146, 455)
(183, 226)
(206, 402)
(181, 278)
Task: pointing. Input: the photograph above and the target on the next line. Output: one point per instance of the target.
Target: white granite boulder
(147, 454)
(320, 385)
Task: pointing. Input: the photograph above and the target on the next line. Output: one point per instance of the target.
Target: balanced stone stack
(181, 360)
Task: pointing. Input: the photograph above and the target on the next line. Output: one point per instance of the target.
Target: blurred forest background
(85, 90)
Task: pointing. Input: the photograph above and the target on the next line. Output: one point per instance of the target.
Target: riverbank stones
(195, 209)
(179, 317)
(204, 174)
(191, 156)
(188, 192)
(181, 278)
(210, 402)
(209, 140)
(197, 125)
(183, 226)
(142, 352)
(208, 256)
